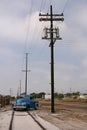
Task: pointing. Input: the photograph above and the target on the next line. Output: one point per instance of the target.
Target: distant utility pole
(10, 92)
(20, 87)
(51, 34)
(26, 71)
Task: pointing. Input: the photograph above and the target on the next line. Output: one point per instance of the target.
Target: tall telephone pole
(26, 71)
(51, 34)
(20, 87)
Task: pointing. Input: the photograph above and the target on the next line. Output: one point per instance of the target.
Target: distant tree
(41, 94)
(76, 93)
(60, 95)
(38, 95)
(68, 94)
(56, 95)
(13, 98)
(85, 94)
(34, 95)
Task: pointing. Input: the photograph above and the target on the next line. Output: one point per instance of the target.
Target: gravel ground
(5, 117)
(65, 120)
(67, 116)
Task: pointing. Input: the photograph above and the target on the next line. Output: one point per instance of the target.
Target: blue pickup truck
(25, 102)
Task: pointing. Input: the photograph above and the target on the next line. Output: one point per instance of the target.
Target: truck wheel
(28, 108)
(35, 108)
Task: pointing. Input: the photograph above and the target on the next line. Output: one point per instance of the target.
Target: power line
(41, 5)
(27, 34)
(28, 28)
(43, 24)
(66, 3)
(35, 26)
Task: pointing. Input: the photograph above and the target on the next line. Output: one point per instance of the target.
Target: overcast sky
(21, 32)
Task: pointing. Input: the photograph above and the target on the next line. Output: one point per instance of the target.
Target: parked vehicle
(25, 102)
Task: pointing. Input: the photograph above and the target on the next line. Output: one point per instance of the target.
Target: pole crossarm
(50, 14)
(49, 19)
(25, 70)
(54, 39)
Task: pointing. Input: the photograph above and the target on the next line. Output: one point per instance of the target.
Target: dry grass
(58, 104)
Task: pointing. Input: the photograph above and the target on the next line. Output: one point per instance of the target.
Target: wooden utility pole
(26, 71)
(51, 34)
(20, 87)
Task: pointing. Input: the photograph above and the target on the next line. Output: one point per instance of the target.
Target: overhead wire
(50, 3)
(63, 45)
(26, 36)
(35, 26)
(66, 3)
(42, 25)
(26, 39)
(35, 33)
(43, 3)
(68, 44)
(28, 26)
(42, 7)
(42, 49)
(39, 32)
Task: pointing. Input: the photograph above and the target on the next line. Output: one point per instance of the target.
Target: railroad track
(26, 120)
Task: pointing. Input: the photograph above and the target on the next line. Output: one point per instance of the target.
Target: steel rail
(38, 123)
(11, 122)
(42, 127)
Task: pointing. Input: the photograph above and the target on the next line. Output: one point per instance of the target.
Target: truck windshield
(21, 100)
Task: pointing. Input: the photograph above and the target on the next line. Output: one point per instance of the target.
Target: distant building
(4, 100)
(48, 96)
(82, 97)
